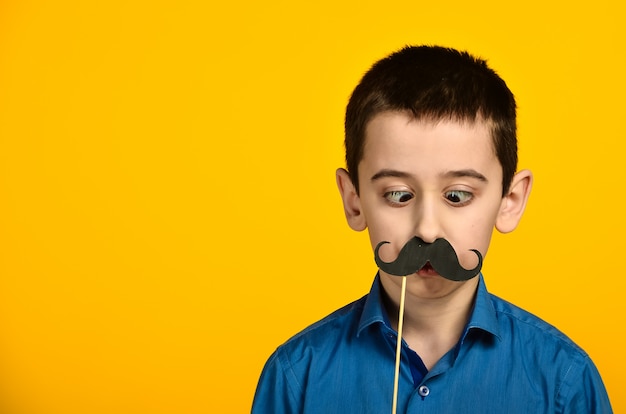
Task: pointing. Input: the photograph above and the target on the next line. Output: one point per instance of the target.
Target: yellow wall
(168, 212)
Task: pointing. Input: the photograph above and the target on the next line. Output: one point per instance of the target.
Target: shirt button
(423, 391)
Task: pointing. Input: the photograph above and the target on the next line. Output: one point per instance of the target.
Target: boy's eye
(398, 197)
(458, 197)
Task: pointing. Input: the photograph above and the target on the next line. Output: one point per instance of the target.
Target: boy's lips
(427, 270)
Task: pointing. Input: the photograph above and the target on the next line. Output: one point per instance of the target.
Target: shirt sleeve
(277, 391)
(587, 394)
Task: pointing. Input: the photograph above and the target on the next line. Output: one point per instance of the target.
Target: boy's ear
(351, 201)
(514, 203)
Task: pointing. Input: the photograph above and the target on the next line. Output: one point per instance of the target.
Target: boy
(431, 151)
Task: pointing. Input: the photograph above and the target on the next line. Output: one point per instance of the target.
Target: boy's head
(432, 153)
(433, 83)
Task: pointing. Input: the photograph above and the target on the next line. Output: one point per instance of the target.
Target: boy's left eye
(458, 197)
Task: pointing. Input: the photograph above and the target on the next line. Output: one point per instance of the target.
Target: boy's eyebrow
(453, 174)
(390, 173)
(466, 173)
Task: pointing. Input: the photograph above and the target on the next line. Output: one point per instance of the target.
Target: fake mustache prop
(416, 253)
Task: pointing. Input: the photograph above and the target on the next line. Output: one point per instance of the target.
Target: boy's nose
(427, 226)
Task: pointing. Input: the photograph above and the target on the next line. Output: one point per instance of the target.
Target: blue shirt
(507, 361)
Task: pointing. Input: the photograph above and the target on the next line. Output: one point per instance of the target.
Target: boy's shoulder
(515, 322)
(337, 325)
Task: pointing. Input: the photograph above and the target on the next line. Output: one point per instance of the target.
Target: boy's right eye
(398, 197)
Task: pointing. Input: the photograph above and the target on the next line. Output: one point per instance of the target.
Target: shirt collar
(373, 310)
(483, 315)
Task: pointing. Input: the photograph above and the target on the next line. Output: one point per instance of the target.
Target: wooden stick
(398, 347)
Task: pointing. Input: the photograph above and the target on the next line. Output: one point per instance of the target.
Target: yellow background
(168, 211)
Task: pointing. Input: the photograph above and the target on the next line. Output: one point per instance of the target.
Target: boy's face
(431, 180)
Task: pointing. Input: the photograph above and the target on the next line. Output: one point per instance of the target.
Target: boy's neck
(432, 327)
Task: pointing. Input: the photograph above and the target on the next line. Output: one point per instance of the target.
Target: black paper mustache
(416, 253)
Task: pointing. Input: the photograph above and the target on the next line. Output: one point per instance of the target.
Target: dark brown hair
(434, 83)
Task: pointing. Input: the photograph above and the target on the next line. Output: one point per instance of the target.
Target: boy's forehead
(398, 137)
(388, 123)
